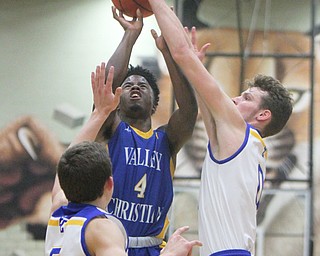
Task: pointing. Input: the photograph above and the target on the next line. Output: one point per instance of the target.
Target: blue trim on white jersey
(260, 186)
(236, 153)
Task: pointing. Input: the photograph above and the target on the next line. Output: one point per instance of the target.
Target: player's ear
(153, 109)
(264, 115)
(109, 184)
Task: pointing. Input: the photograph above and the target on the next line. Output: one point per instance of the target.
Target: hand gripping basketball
(129, 7)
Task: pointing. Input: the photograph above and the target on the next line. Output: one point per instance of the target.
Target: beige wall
(49, 48)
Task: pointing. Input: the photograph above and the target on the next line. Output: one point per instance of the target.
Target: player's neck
(140, 124)
(100, 202)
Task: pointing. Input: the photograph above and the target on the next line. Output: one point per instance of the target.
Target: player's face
(137, 95)
(249, 102)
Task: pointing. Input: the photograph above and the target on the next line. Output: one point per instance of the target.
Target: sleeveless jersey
(230, 191)
(142, 173)
(66, 229)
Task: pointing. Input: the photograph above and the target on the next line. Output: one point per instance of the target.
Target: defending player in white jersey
(233, 171)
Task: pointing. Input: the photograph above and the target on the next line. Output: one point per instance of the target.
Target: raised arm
(229, 124)
(182, 121)
(207, 118)
(182, 51)
(121, 57)
(105, 102)
(120, 61)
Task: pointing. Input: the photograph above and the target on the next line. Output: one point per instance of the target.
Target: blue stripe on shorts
(234, 252)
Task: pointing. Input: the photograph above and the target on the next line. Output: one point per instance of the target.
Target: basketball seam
(142, 7)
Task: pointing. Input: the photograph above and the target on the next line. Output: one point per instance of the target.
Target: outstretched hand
(105, 101)
(159, 40)
(178, 245)
(135, 24)
(202, 52)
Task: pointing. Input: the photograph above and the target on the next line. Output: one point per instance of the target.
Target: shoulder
(96, 224)
(103, 233)
(162, 128)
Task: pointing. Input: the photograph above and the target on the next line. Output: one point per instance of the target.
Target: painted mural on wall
(29, 153)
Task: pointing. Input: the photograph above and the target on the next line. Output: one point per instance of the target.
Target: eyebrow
(131, 83)
(249, 94)
(142, 78)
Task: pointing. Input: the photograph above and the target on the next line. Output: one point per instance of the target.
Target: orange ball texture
(129, 7)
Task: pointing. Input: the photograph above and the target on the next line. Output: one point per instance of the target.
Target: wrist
(132, 34)
(99, 115)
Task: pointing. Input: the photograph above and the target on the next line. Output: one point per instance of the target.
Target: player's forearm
(57, 195)
(172, 30)
(183, 91)
(91, 129)
(121, 57)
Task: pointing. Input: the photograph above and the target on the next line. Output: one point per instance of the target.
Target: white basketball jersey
(66, 229)
(230, 191)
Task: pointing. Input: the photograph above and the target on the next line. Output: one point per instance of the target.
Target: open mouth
(135, 95)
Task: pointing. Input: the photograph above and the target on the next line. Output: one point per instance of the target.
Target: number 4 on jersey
(141, 186)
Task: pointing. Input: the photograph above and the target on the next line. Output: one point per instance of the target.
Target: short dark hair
(278, 100)
(83, 170)
(140, 71)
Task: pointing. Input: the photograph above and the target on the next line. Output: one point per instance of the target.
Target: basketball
(129, 7)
